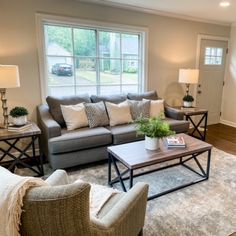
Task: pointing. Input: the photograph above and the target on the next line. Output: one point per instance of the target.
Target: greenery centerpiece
(19, 115)
(153, 129)
(188, 100)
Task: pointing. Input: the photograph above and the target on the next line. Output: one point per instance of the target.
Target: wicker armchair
(62, 209)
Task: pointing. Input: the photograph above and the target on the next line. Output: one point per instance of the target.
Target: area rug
(204, 209)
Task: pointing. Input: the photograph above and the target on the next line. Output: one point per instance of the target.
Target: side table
(20, 154)
(194, 111)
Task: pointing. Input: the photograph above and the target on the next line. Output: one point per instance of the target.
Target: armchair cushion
(55, 103)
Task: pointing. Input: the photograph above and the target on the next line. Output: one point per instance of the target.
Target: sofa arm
(50, 128)
(58, 177)
(174, 113)
(126, 217)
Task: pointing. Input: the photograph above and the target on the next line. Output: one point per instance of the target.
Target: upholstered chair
(63, 209)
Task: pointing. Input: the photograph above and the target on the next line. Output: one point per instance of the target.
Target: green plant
(153, 127)
(18, 111)
(188, 98)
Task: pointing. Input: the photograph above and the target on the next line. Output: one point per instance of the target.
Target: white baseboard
(226, 122)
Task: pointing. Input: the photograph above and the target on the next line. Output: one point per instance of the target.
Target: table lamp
(188, 76)
(9, 78)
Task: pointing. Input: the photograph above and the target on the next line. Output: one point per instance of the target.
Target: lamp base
(4, 107)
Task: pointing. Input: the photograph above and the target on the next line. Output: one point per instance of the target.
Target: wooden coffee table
(134, 156)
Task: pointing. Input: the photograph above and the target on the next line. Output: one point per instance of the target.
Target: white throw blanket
(99, 196)
(12, 191)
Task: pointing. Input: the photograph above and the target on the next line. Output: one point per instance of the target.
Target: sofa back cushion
(151, 95)
(116, 98)
(96, 114)
(119, 113)
(55, 103)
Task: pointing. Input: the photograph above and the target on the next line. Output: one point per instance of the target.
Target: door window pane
(213, 56)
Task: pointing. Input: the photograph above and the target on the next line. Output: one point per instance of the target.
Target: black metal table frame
(197, 125)
(22, 152)
(204, 174)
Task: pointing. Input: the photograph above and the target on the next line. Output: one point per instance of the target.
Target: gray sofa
(65, 148)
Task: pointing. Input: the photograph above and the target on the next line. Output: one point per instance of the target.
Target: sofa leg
(140, 233)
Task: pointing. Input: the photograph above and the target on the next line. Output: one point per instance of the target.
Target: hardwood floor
(222, 137)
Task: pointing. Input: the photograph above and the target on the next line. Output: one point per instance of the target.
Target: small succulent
(188, 98)
(18, 111)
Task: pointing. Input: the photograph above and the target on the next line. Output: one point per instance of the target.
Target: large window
(94, 60)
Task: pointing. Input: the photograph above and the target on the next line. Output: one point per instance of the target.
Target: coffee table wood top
(134, 155)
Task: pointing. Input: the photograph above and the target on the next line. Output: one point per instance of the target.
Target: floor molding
(227, 122)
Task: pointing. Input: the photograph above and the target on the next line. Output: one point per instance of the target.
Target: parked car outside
(62, 69)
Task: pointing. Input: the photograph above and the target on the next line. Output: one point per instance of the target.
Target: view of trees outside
(77, 65)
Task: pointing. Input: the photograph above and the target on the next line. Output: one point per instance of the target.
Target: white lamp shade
(188, 76)
(9, 76)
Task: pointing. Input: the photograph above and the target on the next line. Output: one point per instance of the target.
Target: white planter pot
(188, 104)
(21, 120)
(152, 143)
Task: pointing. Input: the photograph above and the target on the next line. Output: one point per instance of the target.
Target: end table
(194, 111)
(20, 154)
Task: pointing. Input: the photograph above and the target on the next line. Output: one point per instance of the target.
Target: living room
(169, 39)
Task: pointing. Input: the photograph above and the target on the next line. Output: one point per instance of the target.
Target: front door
(211, 77)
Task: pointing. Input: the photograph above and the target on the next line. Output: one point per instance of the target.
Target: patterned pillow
(139, 109)
(96, 114)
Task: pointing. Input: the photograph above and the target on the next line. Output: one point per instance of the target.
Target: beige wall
(228, 101)
(172, 43)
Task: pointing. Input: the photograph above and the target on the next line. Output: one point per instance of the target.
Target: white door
(211, 77)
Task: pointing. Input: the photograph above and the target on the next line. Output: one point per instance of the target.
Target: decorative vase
(20, 120)
(152, 143)
(188, 104)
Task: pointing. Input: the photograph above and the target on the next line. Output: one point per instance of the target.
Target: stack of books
(175, 142)
(19, 128)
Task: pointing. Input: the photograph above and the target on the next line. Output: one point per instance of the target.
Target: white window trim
(41, 19)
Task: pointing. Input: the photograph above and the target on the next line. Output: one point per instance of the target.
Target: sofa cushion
(116, 98)
(119, 113)
(139, 109)
(124, 134)
(156, 108)
(79, 139)
(55, 103)
(96, 114)
(151, 95)
(179, 126)
(74, 116)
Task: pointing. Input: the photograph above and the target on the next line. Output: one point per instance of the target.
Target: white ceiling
(200, 10)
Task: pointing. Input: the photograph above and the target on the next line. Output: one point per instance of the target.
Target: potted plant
(188, 100)
(153, 129)
(19, 115)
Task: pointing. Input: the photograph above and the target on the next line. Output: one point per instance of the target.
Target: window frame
(42, 19)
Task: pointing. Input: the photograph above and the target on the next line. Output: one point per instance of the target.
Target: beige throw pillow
(119, 113)
(156, 108)
(74, 116)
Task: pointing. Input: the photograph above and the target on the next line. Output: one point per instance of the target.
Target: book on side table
(175, 142)
(19, 128)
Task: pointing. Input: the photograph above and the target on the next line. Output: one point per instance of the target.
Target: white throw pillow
(74, 116)
(156, 108)
(119, 113)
